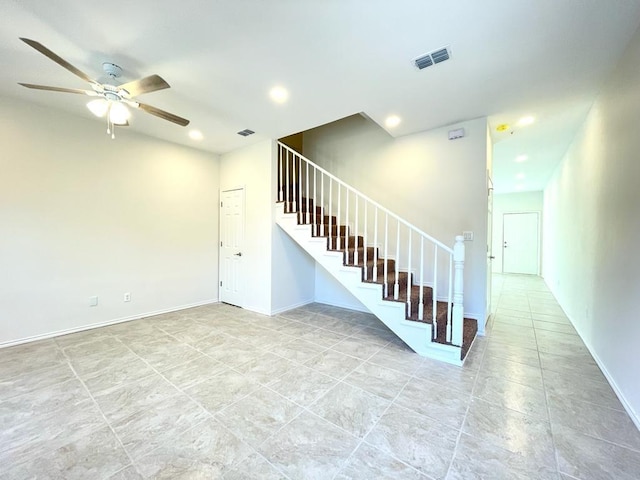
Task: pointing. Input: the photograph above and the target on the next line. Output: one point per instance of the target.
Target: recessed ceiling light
(521, 158)
(392, 121)
(196, 135)
(279, 94)
(502, 127)
(524, 121)
(520, 176)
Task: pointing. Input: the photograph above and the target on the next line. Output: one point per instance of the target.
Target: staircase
(409, 280)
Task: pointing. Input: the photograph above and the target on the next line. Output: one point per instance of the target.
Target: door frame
(220, 236)
(539, 241)
(489, 260)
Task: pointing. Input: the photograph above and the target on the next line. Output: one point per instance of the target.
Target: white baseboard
(627, 406)
(291, 307)
(343, 305)
(259, 311)
(83, 328)
(635, 417)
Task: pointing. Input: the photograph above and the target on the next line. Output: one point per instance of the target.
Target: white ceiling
(546, 58)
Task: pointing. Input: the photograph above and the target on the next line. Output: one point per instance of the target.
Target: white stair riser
(416, 335)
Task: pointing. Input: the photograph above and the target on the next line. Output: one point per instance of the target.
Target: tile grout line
(362, 440)
(313, 402)
(466, 413)
(117, 437)
(546, 402)
(207, 412)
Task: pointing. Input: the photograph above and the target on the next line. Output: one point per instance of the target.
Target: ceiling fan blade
(91, 93)
(145, 85)
(164, 115)
(59, 60)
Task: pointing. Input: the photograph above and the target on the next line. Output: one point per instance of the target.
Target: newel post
(458, 291)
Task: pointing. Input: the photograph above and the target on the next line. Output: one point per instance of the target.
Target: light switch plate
(93, 301)
(468, 236)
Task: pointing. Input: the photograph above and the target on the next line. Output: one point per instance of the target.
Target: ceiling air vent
(246, 132)
(431, 58)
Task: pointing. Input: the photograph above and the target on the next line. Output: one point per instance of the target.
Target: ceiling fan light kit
(112, 100)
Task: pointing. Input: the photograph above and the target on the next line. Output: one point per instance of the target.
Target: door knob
(491, 257)
(239, 254)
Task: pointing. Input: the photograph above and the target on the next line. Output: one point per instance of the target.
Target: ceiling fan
(111, 100)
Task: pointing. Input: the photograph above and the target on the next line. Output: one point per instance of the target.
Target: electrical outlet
(468, 236)
(127, 297)
(93, 301)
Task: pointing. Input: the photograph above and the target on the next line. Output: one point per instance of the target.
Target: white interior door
(231, 244)
(520, 243)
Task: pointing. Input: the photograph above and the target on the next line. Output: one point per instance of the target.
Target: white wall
(437, 184)
(251, 167)
(513, 203)
(84, 215)
(592, 229)
(278, 273)
(331, 292)
(292, 274)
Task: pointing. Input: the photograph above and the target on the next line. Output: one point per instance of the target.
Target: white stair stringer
(416, 335)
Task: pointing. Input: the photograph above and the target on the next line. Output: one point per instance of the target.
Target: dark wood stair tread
(325, 226)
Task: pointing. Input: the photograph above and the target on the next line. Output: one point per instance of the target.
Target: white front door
(231, 244)
(520, 243)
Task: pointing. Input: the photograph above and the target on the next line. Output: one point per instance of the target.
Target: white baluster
(396, 286)
(386, 254)
(449, 298)
(355, 252)
(338, 243)
(434, 291)
(458, 291)
(376, 253)
(321, 231)
(288, 188)
(409, 276)
(346, 227)
(306, 168)
(421, 301)
(365, 241)
(330, 209)
(280, 172)
(299, 209)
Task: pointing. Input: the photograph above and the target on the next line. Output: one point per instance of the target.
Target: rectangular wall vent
(246, 132)
(432, 58)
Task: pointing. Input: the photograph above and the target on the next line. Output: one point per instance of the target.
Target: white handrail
(373, 202)
(292, 195)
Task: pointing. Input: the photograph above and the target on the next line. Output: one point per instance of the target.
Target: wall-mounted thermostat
(455, 134)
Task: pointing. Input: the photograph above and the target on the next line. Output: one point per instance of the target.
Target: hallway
(537, 367)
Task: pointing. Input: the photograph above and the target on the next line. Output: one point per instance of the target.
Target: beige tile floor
(316, 393)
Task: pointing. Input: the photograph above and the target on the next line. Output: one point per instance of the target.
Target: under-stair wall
(442, 183)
